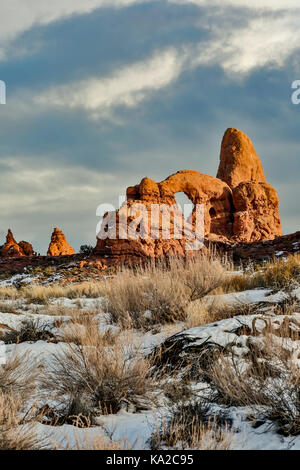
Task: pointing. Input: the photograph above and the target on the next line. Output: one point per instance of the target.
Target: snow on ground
(135, 429)
(250, 297)
(23, 278)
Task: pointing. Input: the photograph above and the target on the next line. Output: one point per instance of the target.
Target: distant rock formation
(239, 205)
(26, 248)
(59, 245)
(12, 249)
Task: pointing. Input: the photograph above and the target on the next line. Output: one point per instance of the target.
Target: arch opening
(184, 203)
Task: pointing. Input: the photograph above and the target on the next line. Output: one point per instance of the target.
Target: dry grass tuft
(7, 292)
(193, 426)
(162, 291)
(17, 385)
(41, 294)
(199, 313)
(84, 330)
(16, 432)
(99, 442)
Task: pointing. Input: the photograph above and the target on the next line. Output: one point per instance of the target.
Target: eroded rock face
(59, 245)
(239, 206)
(256, 212)
(12, 249)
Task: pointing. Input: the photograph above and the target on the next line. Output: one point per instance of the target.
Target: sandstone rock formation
(59, 245)
(214, 194)
(239, 206)
(255, 202)
(13, 249)
(238, 160)
(26, 248)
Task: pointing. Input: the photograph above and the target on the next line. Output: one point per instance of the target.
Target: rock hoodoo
(59, 245)
(239, 161)
(255, 202)
(239, 205)
(12, 249)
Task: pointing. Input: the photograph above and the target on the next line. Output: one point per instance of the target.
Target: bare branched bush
(98, 379)
(18, 376)
(29, 330)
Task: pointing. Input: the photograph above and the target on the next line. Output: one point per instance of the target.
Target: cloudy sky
(101, 93)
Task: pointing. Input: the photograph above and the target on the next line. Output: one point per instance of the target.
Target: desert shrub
(177, 390)
(271, 392)
(86, 249)
(279, 274)
(238, 282)
(10, 307)
(230, 383)
(276, 274)
(97, 379)
(29, 330)
(202, 274)
(193, 425)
